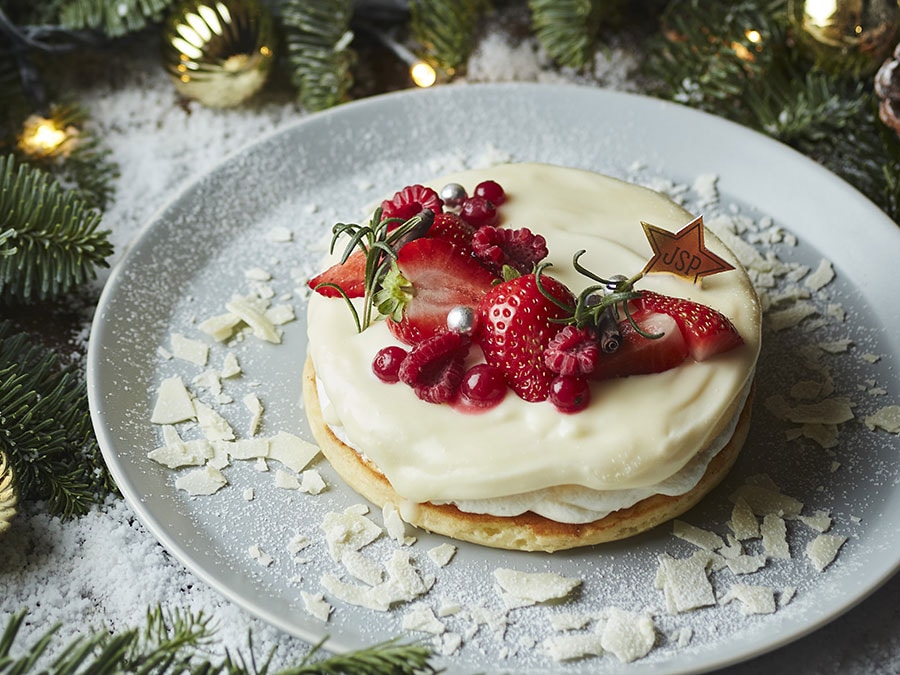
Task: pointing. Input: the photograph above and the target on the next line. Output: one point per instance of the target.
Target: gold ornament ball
(846, 37)
(7, 495)
(219, 52)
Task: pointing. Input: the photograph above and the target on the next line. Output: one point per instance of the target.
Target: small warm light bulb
(41, 137)
(742, 52)
(422, 74)
(753, 36)
(819, 12)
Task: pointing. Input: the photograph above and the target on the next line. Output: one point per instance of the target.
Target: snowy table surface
(106, 569)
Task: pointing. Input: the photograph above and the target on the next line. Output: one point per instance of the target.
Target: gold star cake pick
(682, 253)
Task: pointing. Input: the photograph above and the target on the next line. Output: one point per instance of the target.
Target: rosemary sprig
(379, 241)
(599, 304)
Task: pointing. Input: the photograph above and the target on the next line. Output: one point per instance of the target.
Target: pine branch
(318, 37)
(447, 30)
(707, 59)
(47, 433)
(386, 657)
(172, 644)
(835, 122)
(890, 195)
(568, 29)
(113, 18)
(168, 644)
(55, 245)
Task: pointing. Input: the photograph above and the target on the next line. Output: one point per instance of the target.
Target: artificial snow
(104, 570)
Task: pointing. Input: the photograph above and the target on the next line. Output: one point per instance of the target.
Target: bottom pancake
(525, 532)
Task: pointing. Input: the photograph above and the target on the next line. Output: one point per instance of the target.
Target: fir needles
(178, 642)
(50, 241)
(46, 429)
(738, 60)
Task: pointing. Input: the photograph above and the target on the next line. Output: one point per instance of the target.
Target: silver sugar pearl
(615, 280)
(461, 320)
(453, 195)
(597, 296)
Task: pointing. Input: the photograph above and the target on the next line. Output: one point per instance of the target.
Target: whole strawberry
(517, 322)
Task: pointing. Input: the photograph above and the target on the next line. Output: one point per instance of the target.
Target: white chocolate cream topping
(638, 432)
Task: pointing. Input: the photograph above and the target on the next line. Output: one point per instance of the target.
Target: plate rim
(116, 278)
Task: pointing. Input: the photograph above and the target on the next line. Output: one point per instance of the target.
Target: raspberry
(572, 351)
(519, 248)
(570, 394)
(492, 191)
(386, 364)
(478, 212)
(409, 201)
(482, 386)
(435, 366)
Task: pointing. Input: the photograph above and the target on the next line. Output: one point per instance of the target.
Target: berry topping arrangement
(480, 315)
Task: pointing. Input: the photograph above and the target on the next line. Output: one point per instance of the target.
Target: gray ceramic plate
(193, 256)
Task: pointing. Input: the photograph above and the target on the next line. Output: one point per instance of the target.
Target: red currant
(492, 191)
(386, 364)
(478, 211)
(482, 386)
(570, 394)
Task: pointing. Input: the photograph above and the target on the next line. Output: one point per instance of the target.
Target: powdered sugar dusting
(273, 543)
(681, 592)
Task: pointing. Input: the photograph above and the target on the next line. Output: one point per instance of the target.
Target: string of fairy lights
(207, 63)
(206, 66)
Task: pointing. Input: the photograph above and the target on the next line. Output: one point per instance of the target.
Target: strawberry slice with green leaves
(516, 323)
(428, 279)
(706, 331)
(350, 274)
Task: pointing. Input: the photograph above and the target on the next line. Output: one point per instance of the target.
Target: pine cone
(7, 494)
(887, 87)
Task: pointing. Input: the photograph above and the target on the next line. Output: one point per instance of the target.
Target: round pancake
(528, 531)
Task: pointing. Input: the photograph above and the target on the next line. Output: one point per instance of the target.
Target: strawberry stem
(395, 293)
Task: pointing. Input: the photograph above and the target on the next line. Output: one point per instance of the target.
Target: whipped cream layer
(638, 431)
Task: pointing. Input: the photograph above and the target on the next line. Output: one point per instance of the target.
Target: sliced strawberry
(707, 331)
(349, 275)
(435, 367)
(431, 277)
(454, 229)
(409, 201)
(517, 324)
(639, 355)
